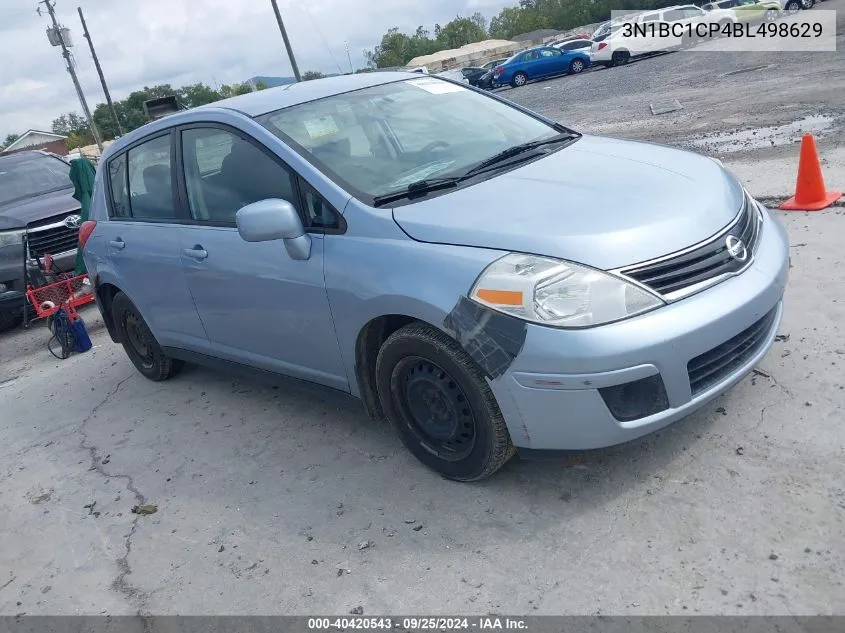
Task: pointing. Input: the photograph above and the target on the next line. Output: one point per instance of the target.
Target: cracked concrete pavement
(265, 493)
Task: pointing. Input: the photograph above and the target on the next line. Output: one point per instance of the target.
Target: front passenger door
(259, 307)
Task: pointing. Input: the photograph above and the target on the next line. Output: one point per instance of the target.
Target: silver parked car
(485, 279)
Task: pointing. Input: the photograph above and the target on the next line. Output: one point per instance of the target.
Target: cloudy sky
(185, 41)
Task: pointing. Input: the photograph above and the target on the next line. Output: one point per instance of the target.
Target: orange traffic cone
(810, 194)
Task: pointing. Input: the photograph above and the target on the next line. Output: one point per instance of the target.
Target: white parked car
(641, 37)
(455, 75)
(575, 44)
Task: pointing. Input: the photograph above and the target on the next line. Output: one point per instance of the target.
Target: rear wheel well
(105, 296)
(370, 339)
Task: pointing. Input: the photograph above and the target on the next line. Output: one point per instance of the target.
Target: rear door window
(150, 182)
(119, 186)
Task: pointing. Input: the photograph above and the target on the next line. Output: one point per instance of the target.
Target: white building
(36, 139)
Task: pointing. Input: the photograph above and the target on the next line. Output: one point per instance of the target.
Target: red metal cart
(68, 293)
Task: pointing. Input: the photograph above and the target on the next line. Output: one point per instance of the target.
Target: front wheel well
(370, 339)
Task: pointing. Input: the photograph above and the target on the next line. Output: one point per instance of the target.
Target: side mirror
(274, 219)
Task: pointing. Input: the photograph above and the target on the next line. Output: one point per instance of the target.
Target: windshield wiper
(427, 185)
(516, 150)
(419, 188)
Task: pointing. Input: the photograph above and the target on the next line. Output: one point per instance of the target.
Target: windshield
(380, 139)
(28, 175)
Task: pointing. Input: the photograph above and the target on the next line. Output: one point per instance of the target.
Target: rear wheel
(140, 344)
(438, 401)
(576, 66)
(519, 79)
(620, 58)
(793, 6)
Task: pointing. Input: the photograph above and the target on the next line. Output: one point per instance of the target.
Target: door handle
(197, 252)
(119, 244)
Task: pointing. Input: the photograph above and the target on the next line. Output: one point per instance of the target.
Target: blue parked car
(537, 63)
(483, 278)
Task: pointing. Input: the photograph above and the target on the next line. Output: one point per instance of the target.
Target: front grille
(53, 237)
(720, 362)
(677, 275)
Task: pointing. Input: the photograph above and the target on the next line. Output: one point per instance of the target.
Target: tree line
(130, 111)
(397, 48)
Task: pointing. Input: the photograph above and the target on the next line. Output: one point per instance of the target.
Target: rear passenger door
(141, 238)
(259, 306)
(551, 61)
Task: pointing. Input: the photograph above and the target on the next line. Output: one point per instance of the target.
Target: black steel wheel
(139, 343)
(435, 408)
(438, 401)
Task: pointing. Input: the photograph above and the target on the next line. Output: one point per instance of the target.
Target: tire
(9, 320)
(620, 58)
(519, 79)
(576, 66)
(139, 343)
(439, 403)
(772, 15)
(808, 4)
(793, 6)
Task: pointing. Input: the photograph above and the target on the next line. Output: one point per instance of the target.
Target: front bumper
(550, 395)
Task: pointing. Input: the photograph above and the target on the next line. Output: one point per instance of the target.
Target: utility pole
(99, 71)
(349, 57)
(287, 41)
(69, 61)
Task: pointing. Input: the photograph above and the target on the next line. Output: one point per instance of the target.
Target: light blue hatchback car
(485, 279)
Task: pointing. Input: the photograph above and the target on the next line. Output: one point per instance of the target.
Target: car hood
(601, 201)
(18, 213)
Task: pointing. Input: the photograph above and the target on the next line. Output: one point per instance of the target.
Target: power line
(325, 43)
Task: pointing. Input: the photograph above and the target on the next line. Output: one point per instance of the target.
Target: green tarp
(82, 176)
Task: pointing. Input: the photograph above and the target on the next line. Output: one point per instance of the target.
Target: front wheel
(519, 79)
(772, 15)
(8, 320)
(808, 4)
(576, 66)
(139, 343)
(438, 401)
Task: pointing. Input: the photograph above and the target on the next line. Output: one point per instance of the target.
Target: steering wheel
(434, 145)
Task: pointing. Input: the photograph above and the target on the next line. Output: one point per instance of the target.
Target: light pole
(99, 71)
(287, 41)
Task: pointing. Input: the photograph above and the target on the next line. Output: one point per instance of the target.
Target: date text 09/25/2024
(409, 624)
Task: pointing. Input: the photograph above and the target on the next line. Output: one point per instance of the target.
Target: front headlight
(11, 238)
(559, 293)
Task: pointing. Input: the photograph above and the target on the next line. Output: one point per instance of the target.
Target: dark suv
(36, 201)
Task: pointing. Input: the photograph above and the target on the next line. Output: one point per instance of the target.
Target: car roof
(260, 102)
(264, 101)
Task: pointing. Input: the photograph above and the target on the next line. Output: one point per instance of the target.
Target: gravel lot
(720, 92)
(283, 498)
